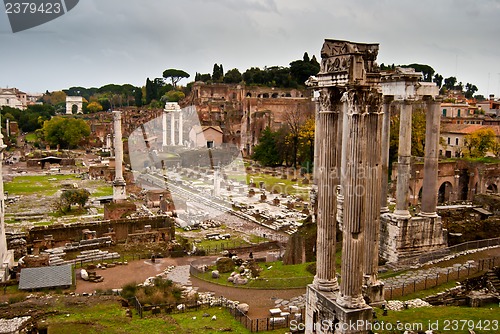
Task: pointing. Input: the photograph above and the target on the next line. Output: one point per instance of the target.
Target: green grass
(109, 317)
(103, 191)
(31, 137)
(274, 183)
(278, 276)
(429, 292)
(446, 318)
(42, 184)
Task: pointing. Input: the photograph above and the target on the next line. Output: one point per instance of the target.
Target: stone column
(404, 157)
(373, 174)
(7, 127)
(430, 185)
(180, 129)
(164, 128)
(216, 181)
(172, 128)
(108, 142)
(3, 240)
(119, 192)
(354, 190)
(328, 165)
(386, 141)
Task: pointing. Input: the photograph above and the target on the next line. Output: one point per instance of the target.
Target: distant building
(206, 136)
(12, 97)
(453, 135)
(490, 107)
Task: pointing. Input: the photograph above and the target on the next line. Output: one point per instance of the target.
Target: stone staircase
(493, 280)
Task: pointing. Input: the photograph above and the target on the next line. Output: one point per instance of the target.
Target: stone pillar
(328, 165)
(3, 240)
(164, 128)
(172, 128)
(361, 192)
(119, 193)
(404, 157)
(7, 127)
(386, 142)
(108, 142)
(180, 129)
(430, 185)
(216, 182)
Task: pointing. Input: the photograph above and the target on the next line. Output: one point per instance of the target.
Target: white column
(172, 128)
(404, 157)
(164, 128)
(119, 192)
(180, 128)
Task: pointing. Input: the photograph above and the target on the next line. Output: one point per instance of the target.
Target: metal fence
(438, 254)
(433, 280)
(253, 325)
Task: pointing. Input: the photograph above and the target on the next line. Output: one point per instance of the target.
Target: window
(210, 144)
(456, 141)
(458, 113)
(449, 140)
(444, 112)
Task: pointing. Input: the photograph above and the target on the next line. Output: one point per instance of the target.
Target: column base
(402, 214)
(374, 293)
(326, 285)
(384, 209)
(356, 302)
(428, 214)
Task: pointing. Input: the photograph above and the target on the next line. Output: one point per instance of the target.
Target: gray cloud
(125, 41)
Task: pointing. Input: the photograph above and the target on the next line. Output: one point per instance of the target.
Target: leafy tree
(150, 91)
(65, 132)
(173, 96)
(265, 152)
(217, 73)
(73, 196)
(54, 98)
(426, 70)
(438, 79)
(94, 107)
(301, 70)
(479, 142)
(470, 89)
(306, 140)
(175, 75)
(138, 97)
(233, 76)
(203, 77)
(449, 83)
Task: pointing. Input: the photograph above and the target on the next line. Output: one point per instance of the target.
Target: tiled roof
(45, 277)
(468, 128)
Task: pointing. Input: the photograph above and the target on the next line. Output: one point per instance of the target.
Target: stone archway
(444, 192)
(74, 101)
(492, 189)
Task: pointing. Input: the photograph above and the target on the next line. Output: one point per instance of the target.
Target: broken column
(430, 184)
(119, 193)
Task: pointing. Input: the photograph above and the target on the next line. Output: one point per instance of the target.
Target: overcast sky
(125, 41)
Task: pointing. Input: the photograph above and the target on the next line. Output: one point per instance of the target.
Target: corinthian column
(404, 157)
(429, 188)
(164, 128)
(180, 128)
(354, 189)
(328, 165)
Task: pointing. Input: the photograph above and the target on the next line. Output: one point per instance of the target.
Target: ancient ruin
(348, 148)
(403, 234)
(6, 256)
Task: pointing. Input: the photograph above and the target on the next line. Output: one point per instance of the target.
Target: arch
(74, 109)
(444, 192)
(274, 96)
(249, 94)
(265, 95)
(74, 101)
(420, 194)
(492, 188)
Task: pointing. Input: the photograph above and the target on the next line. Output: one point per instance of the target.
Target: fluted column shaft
(327, 169)
(119, 192)
(404, 157)
(372, 173)
(429, 188)
(360, 124)
(386, 141)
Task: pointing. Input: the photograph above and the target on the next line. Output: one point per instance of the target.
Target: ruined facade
(243, 112)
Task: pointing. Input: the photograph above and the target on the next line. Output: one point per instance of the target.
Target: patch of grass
(31, 137)
(103, 191)
(430, 291)
(31, 184)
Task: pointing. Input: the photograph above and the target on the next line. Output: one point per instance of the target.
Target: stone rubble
(397, 305)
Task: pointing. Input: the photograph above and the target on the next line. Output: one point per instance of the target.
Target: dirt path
(260, 301)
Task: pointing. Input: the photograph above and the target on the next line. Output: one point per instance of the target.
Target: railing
(438, 254)
(433, 280)
(253, 325)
